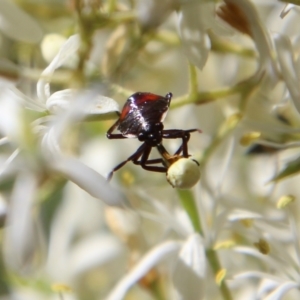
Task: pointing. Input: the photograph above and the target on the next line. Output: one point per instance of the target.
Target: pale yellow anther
(61, 288)
(284, 201)
(220, 276)
(224, 244)
(248, 138)
(230, 123)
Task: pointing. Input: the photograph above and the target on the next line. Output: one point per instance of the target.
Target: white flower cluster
(234, 235)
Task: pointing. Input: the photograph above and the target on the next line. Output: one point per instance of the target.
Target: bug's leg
(150, 161)
(184, 135)
(167, 158)
(134, 157)
(111, 135)
(115, 136)
(184, 145)
(144, 162)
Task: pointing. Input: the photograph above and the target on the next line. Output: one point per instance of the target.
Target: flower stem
(193, 90)
(195, 97)
(189, 204)
(205, 97)
(215, 265)
(157, 290)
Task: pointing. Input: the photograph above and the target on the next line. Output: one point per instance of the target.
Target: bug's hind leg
(145, 162)
(134, 157)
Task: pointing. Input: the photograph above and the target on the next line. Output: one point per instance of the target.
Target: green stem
(189, 204)
(205, 97)
(215, 265)
(221, 45)
(111, 6)
(244, 88)
(193, 81)
(157, 290)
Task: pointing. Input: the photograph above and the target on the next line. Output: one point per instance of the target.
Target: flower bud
(184, 173)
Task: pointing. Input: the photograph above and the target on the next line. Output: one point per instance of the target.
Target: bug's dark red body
(142, 117)
(140, 111)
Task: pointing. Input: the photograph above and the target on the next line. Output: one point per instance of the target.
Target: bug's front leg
(184, 135)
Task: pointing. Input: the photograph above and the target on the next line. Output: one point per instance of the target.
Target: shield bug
(142, 117)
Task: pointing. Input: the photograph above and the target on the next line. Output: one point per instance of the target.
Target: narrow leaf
(291, 168)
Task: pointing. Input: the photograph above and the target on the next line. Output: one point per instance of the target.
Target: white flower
(69, 108)
(195, 19)
(79, 240)
(286, 10)
(242, 15)
(155, 256)
(38, 156)
(230, 229)
(20, 248)
(190, 270)
(289, 67)
(188, 274)
(151, 13)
